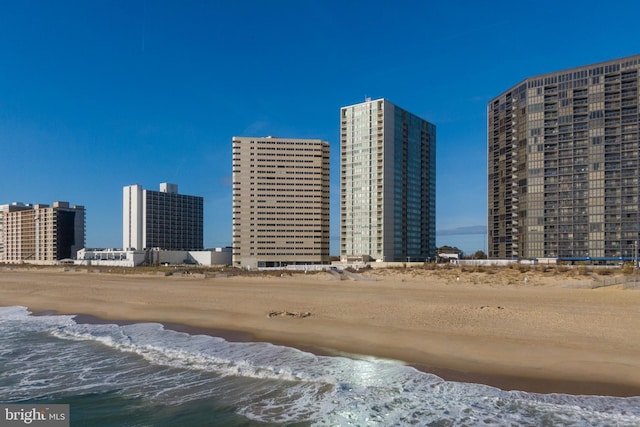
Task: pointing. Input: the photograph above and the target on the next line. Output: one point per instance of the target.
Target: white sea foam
(279, 384)
(180, 350)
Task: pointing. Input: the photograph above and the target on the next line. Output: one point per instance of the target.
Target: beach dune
(534, 335)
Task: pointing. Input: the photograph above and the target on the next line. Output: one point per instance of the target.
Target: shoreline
(503, 382)
(529, 338)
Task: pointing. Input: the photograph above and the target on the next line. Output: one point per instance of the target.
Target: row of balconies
(612, 122)
(615, 105)
(566, 211)
(624, 155)
(625, 94)
(629, 164)
(572, 236)
(624, 200)
(608, 140)
(617, 235)
(614, 87)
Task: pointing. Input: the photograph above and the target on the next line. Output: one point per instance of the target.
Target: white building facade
(132, 217)
(130, 258)
(161, 219)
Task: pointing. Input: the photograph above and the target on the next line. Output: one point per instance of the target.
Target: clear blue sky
(96, 95)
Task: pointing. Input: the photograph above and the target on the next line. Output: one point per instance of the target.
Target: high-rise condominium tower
(41, 234)
(161, 219)
(387, 183)
(280, 201)
(563, 165)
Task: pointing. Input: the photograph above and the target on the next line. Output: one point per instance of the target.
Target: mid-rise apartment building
(563, 165)
(161, 219)
(280, 201)
(387, 183)
(39, 233)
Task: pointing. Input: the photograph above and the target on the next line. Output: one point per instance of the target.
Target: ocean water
(145, 375)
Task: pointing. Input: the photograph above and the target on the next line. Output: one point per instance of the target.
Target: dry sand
(540, 335)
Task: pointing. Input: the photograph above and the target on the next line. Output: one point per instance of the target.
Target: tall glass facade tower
(387, 183)
(563, 165)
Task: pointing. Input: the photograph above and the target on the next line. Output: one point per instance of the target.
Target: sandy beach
(543, 334)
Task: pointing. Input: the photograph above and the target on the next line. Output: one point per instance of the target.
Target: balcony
(612, 148)
(612, 201)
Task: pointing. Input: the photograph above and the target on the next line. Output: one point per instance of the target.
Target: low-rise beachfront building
(39, 233)
(133, 258)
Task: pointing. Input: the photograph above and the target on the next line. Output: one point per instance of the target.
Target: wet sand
(543, 334)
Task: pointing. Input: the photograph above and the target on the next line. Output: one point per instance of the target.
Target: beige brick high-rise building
(564, 165)
(280, 201)
(41, 234)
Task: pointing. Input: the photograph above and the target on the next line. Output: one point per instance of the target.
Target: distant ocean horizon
(146, 375)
